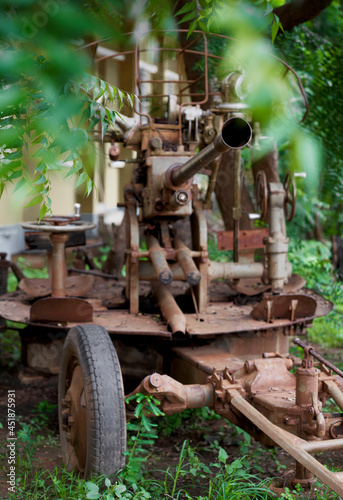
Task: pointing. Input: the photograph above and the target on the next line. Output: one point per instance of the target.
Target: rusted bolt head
(155, 380)
(249, 366)
(181, 197)
(114, 153)
(156, 143)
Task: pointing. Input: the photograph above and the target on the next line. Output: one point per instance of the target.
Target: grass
(190, 478)
(312, 260)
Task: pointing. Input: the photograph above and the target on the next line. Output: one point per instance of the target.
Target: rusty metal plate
(219, 318)
(208, 356)
(62, 309)
(285, 307)
(253, 287)
(248, 239)
(117, 322)
(76, 286)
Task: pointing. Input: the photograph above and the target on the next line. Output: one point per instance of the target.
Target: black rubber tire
(88, 349)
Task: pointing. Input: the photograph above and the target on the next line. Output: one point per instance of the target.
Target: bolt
(155, 380)
(181, 197)
(249, 366)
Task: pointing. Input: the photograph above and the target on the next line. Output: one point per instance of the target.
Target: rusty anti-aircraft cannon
(190, 331)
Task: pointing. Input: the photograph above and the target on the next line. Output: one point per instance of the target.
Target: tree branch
(299, 11)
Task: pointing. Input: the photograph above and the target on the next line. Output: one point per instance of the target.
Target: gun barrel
(235, 134)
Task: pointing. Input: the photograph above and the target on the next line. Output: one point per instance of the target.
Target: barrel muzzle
(235, 134)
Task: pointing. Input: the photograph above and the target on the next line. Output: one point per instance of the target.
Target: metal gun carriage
(221, 336)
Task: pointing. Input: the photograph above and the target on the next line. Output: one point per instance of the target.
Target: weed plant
(312, 260)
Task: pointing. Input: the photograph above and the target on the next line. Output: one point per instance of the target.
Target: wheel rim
(74, 417)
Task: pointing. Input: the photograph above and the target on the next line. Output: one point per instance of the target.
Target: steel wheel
(91, 403)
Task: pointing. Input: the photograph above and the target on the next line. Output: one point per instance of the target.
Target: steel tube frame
(184, 257)
(290, 443)
(169, 308)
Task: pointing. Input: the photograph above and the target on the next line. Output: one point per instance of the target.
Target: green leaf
(43, 211)
(20, 184)
(36, 201)
(107, 482)
(14, 175)
(192, 27)
(83, 178)
(222, 456)
(275, 29)
(188, 17)
(89, 186)
(186, 8)
(138, 410)
(119, 489)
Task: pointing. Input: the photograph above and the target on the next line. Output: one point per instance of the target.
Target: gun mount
(214, 333)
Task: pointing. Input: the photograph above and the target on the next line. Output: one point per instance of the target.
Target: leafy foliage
(312, 260)
(48, 101)
(315, 50)
(204, 14)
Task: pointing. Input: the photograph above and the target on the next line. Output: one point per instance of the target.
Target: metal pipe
(320, 358)
(184, 257)
(288, 442)
(326, 445)
(147, 272)
(211, 183)
(157, 257)
(234, 270)
(235, 134)
(58, 268)
(216, 270)
(236, 209)
(335, 392)
(169, 308)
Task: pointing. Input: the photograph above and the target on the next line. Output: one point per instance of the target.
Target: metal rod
(320, 358)
(92, 273)
(335, 392)
(147, 272)
(211, 183)
(326, 445)
(288, 442)
(156, 254)
(169, 308)
(184, 257)
(236, 209)
(234, 270)
(217, 270)
(58, 268)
